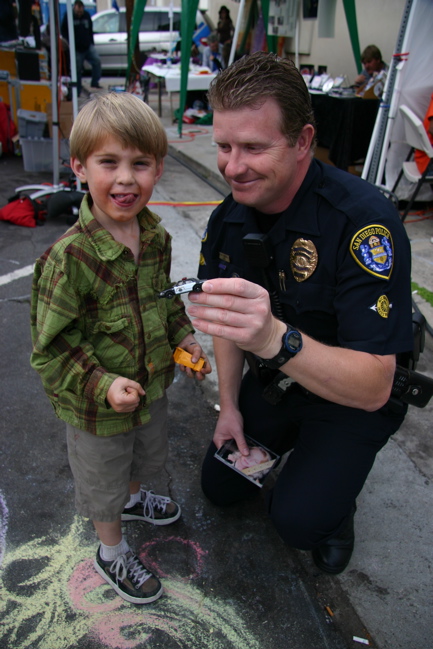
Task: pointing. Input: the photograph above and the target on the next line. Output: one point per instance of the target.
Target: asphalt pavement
(230, 581)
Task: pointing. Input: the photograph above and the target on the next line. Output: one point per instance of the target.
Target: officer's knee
(296, 527)
(213, 494)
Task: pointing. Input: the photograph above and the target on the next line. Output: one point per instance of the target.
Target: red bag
(20, 212)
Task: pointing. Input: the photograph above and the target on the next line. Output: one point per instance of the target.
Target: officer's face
(256, 159)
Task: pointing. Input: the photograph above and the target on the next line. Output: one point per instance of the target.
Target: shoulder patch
(373, 250)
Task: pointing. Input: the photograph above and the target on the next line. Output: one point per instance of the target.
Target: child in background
(103, 341)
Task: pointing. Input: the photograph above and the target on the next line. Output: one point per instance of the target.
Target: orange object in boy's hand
(184, 358)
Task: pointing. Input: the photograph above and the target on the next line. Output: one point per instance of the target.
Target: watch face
(293, 341)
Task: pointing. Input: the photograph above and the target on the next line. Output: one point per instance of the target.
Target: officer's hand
(241, 312)
(230, 425)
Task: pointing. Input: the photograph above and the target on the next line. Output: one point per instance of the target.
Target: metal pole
(237, 30)
(54, 75)
(73, 64)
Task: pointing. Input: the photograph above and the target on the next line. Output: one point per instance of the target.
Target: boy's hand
(124, 394)
(190, 345)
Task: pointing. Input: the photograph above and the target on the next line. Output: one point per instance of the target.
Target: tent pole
(54, 87)
(237, 30)
(73, 64)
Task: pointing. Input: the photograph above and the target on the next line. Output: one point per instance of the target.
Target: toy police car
(186, 285)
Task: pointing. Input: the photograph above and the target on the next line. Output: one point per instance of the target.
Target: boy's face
(120, 180)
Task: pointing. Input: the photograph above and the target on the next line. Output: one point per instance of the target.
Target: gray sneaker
(129, 578)
(159, 510)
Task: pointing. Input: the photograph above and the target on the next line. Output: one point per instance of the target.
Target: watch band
(291, 345)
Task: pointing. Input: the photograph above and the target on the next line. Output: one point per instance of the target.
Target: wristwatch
(291, 345)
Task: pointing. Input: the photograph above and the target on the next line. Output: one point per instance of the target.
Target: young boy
(103, 340)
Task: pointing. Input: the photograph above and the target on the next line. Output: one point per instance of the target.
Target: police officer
(310, 280)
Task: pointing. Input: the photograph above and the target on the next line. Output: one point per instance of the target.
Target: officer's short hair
(249, 82)
(125, 117)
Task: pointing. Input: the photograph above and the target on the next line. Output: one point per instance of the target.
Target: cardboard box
(66, 118)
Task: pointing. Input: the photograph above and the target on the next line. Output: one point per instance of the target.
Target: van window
(107, 23)
(159, 21)
(149, 22)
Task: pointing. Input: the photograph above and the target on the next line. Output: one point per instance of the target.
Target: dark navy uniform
(338, 270)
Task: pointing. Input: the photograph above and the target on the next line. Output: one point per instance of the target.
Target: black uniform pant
(334, 448)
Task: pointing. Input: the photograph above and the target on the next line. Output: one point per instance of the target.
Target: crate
(38, 153)
(31, 123)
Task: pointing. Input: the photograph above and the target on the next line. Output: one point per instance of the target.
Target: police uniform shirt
(341, 261)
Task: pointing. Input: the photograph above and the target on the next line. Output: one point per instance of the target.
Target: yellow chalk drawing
(67, 600)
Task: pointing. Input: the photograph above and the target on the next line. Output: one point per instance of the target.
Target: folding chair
(416, 137)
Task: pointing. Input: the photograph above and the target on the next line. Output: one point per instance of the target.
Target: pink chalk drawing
(83, 582)
(71, 602)
(146, 557)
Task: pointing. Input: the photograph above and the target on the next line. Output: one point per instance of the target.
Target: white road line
(16, 274)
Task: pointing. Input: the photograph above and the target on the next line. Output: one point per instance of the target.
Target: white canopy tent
(409, 82)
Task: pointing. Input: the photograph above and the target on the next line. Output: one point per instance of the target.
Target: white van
(109, 28)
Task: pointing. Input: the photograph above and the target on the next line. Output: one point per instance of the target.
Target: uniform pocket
(305, 297)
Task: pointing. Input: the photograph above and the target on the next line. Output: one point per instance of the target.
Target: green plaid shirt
(96, 315)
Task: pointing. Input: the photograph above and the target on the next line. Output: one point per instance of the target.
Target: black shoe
(159, 510)
(97, 86)
(334, 555)
(129, 578)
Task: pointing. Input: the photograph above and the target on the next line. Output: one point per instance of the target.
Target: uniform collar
(106, 247)
(300, 216)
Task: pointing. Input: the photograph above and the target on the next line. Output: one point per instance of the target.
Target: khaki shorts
(103, 467)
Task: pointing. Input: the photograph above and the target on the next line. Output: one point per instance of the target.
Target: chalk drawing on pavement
(63, 600)
(4, 515)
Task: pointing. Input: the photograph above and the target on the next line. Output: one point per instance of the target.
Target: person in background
(84, 43)
(374, 66)
(225, 30)
(103, 341)
(8, 21)
(308, 279)
(420, 157)
(213, 54)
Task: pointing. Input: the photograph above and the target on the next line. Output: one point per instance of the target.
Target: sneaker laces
(151, 501)
(130, 564)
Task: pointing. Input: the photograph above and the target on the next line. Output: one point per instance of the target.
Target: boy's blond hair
(124, 117)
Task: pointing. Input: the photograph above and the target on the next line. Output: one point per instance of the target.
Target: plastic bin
(38, 153)
(31, 123)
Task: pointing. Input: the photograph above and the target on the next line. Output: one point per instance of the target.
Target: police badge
(372, 249)
(303, 259)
